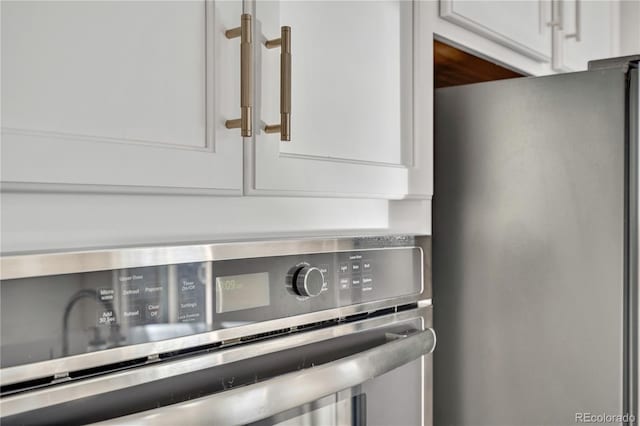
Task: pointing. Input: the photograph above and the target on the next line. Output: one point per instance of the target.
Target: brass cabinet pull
(284, 42)
(246, 70)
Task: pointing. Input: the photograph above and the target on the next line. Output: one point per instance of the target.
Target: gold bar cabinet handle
(284, 42)
(244, 31)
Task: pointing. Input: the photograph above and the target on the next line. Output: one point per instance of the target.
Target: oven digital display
(237, 292)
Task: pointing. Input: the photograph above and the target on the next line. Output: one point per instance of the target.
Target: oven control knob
(309, 281)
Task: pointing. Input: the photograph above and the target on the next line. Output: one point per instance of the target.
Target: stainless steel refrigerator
(535, 249)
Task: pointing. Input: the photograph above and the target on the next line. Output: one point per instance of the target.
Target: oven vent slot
(77, 374)
(266, 335)
(25, 386)
(305, 327)
(108, 368)
(356, 317)
(190, 351)
(328, 323)
(314, 325)
(381, 312)
(407, 307)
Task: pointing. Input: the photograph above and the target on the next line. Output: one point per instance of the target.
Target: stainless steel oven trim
(34, 265)
(265, 399)
(62, 393)
(115, 259)
(62, 366)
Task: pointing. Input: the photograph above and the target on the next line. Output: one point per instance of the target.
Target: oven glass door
(395, 398)
(342, 408)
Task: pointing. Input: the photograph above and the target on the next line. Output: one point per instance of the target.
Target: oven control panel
(91, 311)
(291, 285)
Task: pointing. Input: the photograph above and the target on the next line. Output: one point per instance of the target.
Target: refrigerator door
(529, 249)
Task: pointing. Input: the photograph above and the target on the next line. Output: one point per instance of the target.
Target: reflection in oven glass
(86, 312)
(340, 409)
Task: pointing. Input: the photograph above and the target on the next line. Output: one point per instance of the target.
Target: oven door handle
(262, 400)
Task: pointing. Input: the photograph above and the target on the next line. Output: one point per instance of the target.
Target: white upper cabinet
(353, 106)
(124, 96)
(121, 95)
(518, 25)
(557, 35)
(587, 32)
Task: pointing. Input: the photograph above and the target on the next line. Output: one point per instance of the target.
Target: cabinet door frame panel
(95, 163)
(270, 172)
(448, 12)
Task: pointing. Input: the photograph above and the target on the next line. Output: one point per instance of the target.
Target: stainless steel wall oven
(290, 332)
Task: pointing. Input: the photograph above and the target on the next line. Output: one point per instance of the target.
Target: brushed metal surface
(621, 62)
(24, 402)
(284, 43)
(52, 263)
(245, 32)
(62, 366)
(262, 400)
(529, 249)
(60, 263)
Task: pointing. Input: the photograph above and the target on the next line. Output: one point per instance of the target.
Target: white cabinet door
(120, 95)
(352, 103)
(588, 32)
(519, 25)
